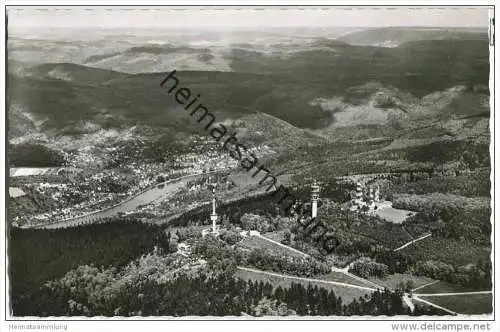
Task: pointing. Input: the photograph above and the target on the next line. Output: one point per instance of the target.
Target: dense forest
(457, 250)
(453, 157)
(37, 256)
(470, 153)
(217, 295)
(464, 185)
(46, 255)
(266, 204)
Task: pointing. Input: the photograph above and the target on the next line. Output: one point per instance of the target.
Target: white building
(369, 197)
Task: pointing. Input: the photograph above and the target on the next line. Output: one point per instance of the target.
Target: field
(347, 294)
(443, 287)
(254, 242)
(396, 216)
(392, 281)
(464, 304)
(342, 277)
(28, 171)
(16, 192)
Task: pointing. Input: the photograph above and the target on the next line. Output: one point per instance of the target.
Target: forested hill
(394, 36)
(419, 67)
(37, 256)
(259, 83)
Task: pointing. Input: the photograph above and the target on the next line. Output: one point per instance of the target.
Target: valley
(114, 185)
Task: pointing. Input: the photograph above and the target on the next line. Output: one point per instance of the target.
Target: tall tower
(314, 199)
(213, 215)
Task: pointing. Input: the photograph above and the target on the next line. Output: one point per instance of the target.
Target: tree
(287, 238)
(410, 284)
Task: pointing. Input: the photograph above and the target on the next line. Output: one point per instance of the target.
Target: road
(416, 298)
(273, 274)
(429, 284)
(347, 273)
(333, 268)
(413, 241)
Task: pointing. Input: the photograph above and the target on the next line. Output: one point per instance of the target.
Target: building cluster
(208, 161)
(366, 199)
(212, 160)
(80, 194)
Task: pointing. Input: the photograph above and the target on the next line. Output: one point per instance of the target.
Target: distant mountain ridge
(242, 52)
(395, 36)
(326, 89)
(109, 99)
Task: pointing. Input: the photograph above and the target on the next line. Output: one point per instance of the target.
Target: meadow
(443, 287)
(465, 304)
(347, 294)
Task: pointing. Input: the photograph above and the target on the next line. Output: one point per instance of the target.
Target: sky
(247, 17)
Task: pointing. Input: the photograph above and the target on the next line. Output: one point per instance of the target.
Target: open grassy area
(276, 236)
(392, 281)
(396, 216)
(342, 277)
(347, 294)
(465, 304)
(443, 287)
(253, 242)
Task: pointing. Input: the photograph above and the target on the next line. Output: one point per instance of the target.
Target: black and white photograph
(249, 162)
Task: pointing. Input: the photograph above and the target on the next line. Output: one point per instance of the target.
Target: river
(148, 196)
